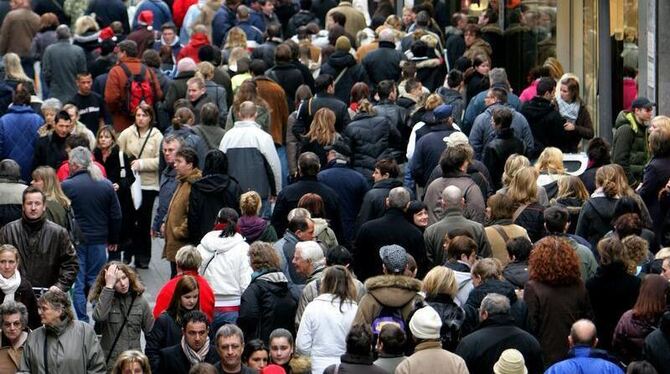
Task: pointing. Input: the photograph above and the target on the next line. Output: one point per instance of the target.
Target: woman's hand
(110, 276)
(135, 165)
(569, 126)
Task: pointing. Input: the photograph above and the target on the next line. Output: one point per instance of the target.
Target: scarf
(10, 285)
(569, 111)
(193, 356)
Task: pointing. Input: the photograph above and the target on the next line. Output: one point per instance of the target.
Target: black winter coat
(595, 219)
(391, 228)
(612, 292)
(497, 151)
(173, 359)
(452, 316)
(532, 219)
(374, 201)
(308, 108)
(516, 273)
(656, 175)
(518, 312)
(290, 195)
(165, 333)
(369, 139)
(428, 150)
(49, 151)
(336, 63)
(657, 346)
(266, 305)
(498, 332)
(289, 78)
(208, 196)
(545, 123)
(383, 63)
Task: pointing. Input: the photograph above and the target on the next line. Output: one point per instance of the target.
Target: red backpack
(138, 89)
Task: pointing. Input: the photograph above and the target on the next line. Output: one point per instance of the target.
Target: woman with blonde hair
(119, 289)
(234, 38)
(14, 73)
(596, 215)
(44, 178)
(625, 189)
(571, 194)
(657, 172)
(578, 124)
(440, 288)
(523, 192)
(550, 166)
(513, 164)
(321, 134)
(85, 35)
(133, 361)
(250, 225)
(370, 137)
(248, 92)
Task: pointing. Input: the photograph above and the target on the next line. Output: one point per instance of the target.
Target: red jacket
(64, 170)
(191, 49)
(179, 9)
(206, 295)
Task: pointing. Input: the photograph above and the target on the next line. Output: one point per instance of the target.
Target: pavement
(157, 274)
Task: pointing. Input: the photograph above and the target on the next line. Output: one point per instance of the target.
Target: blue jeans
(283, 160)
(222, 318)
(91, 260)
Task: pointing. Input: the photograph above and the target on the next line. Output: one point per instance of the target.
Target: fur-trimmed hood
(300, 365)
(393, 290)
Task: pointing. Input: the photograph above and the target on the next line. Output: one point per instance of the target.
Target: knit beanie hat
(146, 18)
(343, 44)
(425, 323)
(394, 258)
(510, 362)
(186, 64)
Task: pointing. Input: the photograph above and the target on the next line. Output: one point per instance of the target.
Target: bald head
(248, 110)
(452, 197)
(583, 332)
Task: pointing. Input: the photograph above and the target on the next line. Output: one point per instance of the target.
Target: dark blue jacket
(252, 31)
(18, 135)
(427, 152)
(351, 187)
(168, 184)
(476, 106)
(224, 20)
(160, 10)
(95, 206)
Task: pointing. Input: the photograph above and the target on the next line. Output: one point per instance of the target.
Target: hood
(192, 177)
(492, 286)
(215, 183)
(340, 60)
(449, 96)
(627, 118)
(393, 290)
(492, 28)
(213, 243)
(320, 225)
(537, 107)
(483, 45)
(251, 227)
(87, 37)
(274, 277)
(274, 282)
(389, 183)
(174, 42)
(603, 206)
(198, 40)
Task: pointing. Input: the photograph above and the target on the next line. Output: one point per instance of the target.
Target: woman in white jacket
(327, 319)
(225, 265)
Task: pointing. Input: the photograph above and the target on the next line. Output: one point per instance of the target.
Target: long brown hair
(185, 285)
(651, 300)
(134, 283)
(338, 281)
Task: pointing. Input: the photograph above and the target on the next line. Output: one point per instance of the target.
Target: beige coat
(498, 244)
(428, 356)
(130, 143)
(355, 19)
(176, 219)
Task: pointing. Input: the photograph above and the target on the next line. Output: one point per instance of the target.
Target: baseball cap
(443, 112)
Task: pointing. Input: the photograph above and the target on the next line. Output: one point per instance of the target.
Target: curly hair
(134, 283)
(635, 251)
(262, 256)
(554, 262)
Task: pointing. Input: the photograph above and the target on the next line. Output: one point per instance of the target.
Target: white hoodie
(225, 265)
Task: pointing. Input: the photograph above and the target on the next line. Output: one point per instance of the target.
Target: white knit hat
(425, 324)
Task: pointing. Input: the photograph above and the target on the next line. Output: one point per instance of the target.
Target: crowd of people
(336, 189)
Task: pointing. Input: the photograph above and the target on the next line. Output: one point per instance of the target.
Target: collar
(453, 212)
(428, 344)
(349, 358)
(497, 320)
(245, 123)
(385, 44)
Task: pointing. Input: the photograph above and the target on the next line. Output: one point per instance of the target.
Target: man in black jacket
(385, 177)
(324, 97)
(496, 333)
(544, 120)
(397, 115)
(504, 145)
(194, 348)
(384, 62)
(308, 168)
(392, 228)
(50, 149)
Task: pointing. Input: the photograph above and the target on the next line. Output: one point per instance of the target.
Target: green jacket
(629, 148)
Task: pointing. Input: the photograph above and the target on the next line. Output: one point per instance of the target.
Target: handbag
(136, 187)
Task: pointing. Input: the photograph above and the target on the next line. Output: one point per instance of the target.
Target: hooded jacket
(191, 49)
(595, 218)
(254, 228)
(355, 72)
(369, 138)
(629, 147)
(463, 280)
(545, 122)
(18, 137)
(456, 100)
(395, 291)
(482, 132)
(225, 265)
(266, 305)
(208, 196)
(497, 151)
(176, 219)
